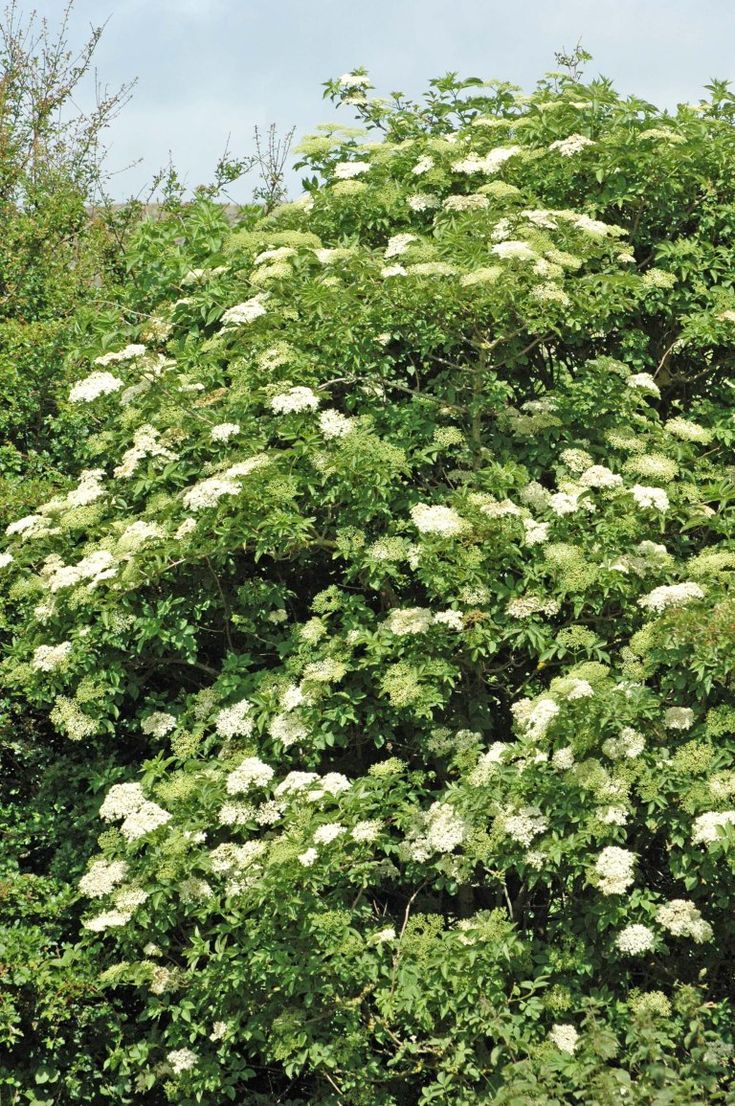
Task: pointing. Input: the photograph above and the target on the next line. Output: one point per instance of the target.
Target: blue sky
(209, 69)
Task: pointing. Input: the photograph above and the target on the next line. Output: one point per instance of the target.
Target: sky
(208, 71)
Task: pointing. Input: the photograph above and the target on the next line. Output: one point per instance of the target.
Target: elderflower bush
(413, 597)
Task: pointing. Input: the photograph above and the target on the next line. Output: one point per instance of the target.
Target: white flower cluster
(95, 567)
(644, 382)
(527, 605)
(536, 532)
(423, 165)
(437, 519)
(108, 920)
(670, 595)
(251, 772)
(327, 833)
(488, 763)
(145, 444)
(682, 919)
(438, 830)
(678, 718)
(423, 201)
(634, 940)
(688, 431)
(96, 384)
(334, 425)
(630, 744)
(88, 490)
(235, 720)
(278, 254)
(707, 826)
(243, 313)
(534, 718)
(514, 250)
(229, 857)
(453, 620)
(122, 799)
(158, 724)
(137, 534)
(614, 868)
(47, 658)
(649, 498)
(126, 801)
(208, 492)
(525, 824)
(366, 831)
(567, 147)
(599, 476)
(129, 353)
(27, 525)
(489, 163)
(332, 783)
(563, 759)
(565, 1037)
(182, 1059)
(295, 400)
(473, 202)
(223, 431)
(147, 818)
(347, 170)
(101, 877)
(288, 729)
(398, 244)
(408, 620)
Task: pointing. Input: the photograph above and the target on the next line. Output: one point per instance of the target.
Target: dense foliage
(380, 647)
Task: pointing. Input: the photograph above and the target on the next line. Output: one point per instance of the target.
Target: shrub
(395, 579)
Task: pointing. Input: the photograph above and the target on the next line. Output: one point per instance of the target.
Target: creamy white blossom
(96, 384)
(398, 244)
(423, 165)
(707, 826)
(565, 1037)
(47, 658)
(681, 918)
(182, 1059)
(678, 718)
(525, 824)
(327, 833)
(129, 353)
(102, 877)
(121, 800)
(518, 250)
(108, 920)
(295, 399)
(243, 313)
(158, 724)
(334, 425)
(671, 595)
(223, 431)
(635, 940)
(615, 870)
(445, 521)
(250, 773)
(346, 170)
(567, 147)
(148, 817)
(644, 382)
